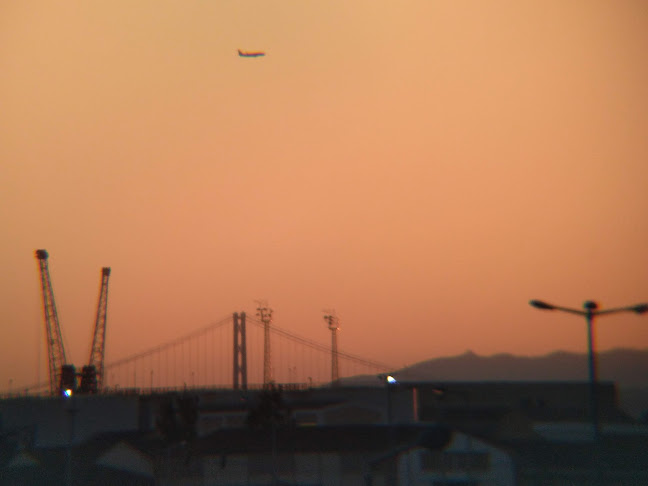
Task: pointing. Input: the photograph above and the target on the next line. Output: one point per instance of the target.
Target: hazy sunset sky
(423, 167)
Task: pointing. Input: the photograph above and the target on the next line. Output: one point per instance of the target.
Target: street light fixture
(590, 311)
(390, 383)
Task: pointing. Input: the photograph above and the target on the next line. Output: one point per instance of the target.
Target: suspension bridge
(215, 356)
(207, 358)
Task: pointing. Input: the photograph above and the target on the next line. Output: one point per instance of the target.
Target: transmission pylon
(62, 376)
(265, 314)
(333, 321)
(92, 374)
(240, 352)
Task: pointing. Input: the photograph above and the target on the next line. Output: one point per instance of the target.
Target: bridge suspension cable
(169, 344)
(322, 347)
(202, 358)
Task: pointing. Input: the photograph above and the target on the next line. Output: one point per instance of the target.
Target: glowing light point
(67, 393)
(391, 380)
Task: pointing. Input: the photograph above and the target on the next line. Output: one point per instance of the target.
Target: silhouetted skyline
(425, 170)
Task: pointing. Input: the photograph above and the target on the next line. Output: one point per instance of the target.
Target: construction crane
(92, 374)
(62, 375)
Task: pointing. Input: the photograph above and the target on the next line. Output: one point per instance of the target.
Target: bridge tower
(265, 314)
(92, 374)
(332, 321)
(240, 352)
(62, 376)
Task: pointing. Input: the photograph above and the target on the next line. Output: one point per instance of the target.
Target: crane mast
(93, 373)
(62, 376)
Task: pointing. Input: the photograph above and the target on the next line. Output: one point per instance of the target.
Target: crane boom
(61, 375)
(93, 373)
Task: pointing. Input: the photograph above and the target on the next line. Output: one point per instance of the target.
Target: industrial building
(402, 434)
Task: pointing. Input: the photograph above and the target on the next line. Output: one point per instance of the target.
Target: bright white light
(67, 393)
(391, 380)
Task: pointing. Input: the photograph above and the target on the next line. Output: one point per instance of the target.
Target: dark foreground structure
(402, 434)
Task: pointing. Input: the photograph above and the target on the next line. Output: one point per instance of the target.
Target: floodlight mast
(333, 325)
(265, 314)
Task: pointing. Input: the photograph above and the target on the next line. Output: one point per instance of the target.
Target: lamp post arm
(638, 309)
(571, 311)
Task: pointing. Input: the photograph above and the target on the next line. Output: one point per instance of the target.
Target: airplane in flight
(251, 54)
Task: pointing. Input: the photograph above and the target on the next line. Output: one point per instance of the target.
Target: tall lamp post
(591, 310)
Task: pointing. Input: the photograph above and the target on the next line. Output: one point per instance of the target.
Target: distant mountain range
(628, 368)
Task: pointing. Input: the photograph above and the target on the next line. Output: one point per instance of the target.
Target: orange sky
(423, 167)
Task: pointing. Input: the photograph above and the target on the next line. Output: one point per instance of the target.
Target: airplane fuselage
(250, 54)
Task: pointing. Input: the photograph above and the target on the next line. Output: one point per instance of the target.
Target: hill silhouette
(628, 368)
